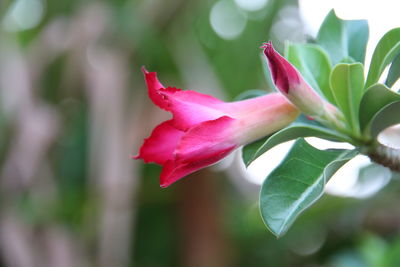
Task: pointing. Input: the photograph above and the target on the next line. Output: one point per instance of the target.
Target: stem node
(386, 156)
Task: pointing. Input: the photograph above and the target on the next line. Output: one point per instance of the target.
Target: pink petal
(160, 146)
(190, 108)
(174, 171)
(245, 108)
(207, 137)
(200, 147)
(153, 87)
(283, 73)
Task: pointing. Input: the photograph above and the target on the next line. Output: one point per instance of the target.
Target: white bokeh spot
(23, 15)
(227, 20)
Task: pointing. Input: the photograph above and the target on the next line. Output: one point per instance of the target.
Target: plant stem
(386, 156)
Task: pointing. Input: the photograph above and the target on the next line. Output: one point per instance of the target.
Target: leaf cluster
(333, 64)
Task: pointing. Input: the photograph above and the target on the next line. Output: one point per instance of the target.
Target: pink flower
(204, 129)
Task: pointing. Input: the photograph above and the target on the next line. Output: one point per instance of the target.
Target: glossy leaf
(250, 151)
(347, 60)
(375, 99)
(385, 51)
(347, 83)
(386, 117)
(313, 63)
(302, 127)
(297, 183)
(394, 72)
(343, 38)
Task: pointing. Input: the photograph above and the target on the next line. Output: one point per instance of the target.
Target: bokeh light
(23, 15)
(227, 20)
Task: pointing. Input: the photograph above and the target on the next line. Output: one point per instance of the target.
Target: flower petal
(153, 87)
(283, 73)
(200, 147)
(161, 144)
(174, 171)
(245, 108)
(190, 108)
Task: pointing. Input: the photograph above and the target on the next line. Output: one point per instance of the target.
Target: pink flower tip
(137, 156)
(143, 68)
(283, 73)
(266, 45)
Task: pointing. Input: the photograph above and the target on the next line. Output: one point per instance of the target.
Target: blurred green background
(73, 108)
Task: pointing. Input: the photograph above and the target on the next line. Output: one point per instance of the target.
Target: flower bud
(291, 84)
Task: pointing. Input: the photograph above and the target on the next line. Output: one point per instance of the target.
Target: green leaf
(347, 83)
(385, 51)
(302, 127)
(250, 151)
(376, 98)
(386, 117)
(297, 183)
(347, 60)
(343, 38)
(358, 34)
(394, 72)
(313, 63)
